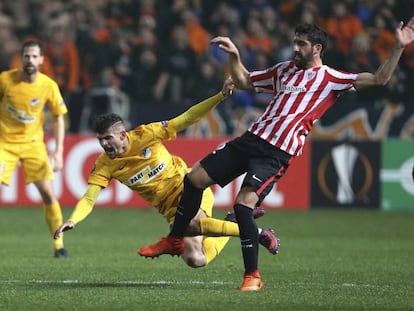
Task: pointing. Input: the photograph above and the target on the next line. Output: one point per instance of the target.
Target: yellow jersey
(22, 106)
(147, 167)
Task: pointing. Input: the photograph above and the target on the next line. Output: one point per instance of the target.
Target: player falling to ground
(24, 94)
(303, 89)
(139, 160)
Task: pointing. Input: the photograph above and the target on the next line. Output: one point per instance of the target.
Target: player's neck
(315, 63)
(29, 78)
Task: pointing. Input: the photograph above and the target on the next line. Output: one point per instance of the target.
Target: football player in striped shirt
(24, 94)
(303, 89)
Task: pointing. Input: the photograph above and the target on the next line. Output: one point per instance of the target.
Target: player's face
(32, 59)
(303, 52)
(112, 142)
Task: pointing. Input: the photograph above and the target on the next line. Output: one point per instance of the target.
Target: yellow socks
(214, 227)
(54, 218)
(217, 234)
(212, 246)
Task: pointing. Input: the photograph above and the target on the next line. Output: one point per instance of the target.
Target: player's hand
(226, 45)
(405, 33)
(63, 227)
(57, 161)
(228, 87)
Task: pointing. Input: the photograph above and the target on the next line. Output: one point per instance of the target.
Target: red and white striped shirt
(301, 97)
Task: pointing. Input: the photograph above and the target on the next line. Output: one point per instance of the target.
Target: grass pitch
(328, 260)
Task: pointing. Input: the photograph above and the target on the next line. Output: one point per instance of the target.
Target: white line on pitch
(161, 282)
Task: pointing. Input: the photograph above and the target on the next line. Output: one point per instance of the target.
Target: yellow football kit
(22, 111)
(149, 169)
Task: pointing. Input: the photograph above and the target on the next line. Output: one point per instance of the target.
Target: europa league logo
(353, 174)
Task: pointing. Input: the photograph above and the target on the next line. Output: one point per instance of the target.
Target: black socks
(249, 238)
(187, 208)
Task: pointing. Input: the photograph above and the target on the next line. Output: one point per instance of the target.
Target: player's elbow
(382, 81)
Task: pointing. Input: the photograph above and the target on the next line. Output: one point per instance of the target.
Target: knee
(199, 177)
(47, 196)
(195, 261)
(194, 227)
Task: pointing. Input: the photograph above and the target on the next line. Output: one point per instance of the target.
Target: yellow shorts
(33, 158)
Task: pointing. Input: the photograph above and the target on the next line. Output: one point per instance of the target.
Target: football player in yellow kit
(139, 160)
(24, 94)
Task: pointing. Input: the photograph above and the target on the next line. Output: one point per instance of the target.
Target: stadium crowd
(143, 56)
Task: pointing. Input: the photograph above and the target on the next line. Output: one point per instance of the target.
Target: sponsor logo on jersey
(19, 114)
(292, 88)
(147, 174)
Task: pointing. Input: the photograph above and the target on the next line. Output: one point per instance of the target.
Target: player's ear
(317, 48)
(122, 134)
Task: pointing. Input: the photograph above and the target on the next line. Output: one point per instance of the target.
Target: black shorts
(263, 163)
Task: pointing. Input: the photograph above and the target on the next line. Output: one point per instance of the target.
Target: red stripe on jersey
(269, 111)
(294, 106)
(301, 97)
(315, 112)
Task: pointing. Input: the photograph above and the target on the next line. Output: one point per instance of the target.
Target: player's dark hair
(32, 43)
(105, 121)
(314, 33)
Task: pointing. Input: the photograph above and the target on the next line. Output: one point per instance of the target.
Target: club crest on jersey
(147, 174)
(35, 101)
(310, 75)
(146, 153)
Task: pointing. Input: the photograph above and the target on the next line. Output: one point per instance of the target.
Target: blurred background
(149, 60)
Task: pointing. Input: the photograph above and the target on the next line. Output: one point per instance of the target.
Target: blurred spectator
(366, 10)
(62, 52)
(198, 36)
(257, 38)
(309, 13)
(177, 63)
(343, 25)
(207, 83)
(383, 39)
(361, 57)
(144, 75)
(10, 45)
(332, 56)
(105, 97)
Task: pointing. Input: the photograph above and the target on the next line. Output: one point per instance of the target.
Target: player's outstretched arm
(196, 112)
(404, 35)
(82, 209)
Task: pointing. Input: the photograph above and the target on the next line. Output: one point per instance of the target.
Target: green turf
(329, 260)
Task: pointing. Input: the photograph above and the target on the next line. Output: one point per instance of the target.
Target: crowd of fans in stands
(157, 53)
